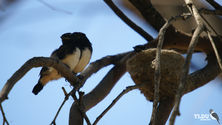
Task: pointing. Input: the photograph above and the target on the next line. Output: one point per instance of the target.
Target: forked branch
(185, 70)
(57, 113)
(157, 76)
(37, 62)
(129, 88)
(3, 115)
(100, 91)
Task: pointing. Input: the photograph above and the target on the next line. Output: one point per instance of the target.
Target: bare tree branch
(214, 4)
(79, 104)
(170, 38)
(100, 91)
(185, 70)
(149, 13)
(173, 38)
(215, 50)
(98, 64)
(129, 88)
(37, 62)
(163, 110)
(82, 108)
(168, 91)
(157, 73)
(3, 115)
(203, 76)
(130, 23)
(60, 67)
(54, 8)
(106, 84)
(57, 113)
(96, 95)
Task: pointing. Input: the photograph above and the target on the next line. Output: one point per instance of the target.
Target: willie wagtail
(75, 52)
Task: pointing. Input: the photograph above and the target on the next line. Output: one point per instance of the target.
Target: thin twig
(107, 83)
(82, 108)
(80, 104)
(64, 91)
(65, 99)
(100, 91)
(184, 73)
(214, 4)
(129, 88)
(130, 23)
(215, 50)
(157, 75)
(185, 70)
(53, 8)
(73, 94)
(104, 86)
(3, 115)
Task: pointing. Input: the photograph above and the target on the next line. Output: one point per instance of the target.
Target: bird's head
(66, 38)
(211, 110)
(80, 38)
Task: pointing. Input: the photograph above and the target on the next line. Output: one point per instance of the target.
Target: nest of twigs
(141, 68)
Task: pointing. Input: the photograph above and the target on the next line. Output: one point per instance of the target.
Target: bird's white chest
(84, 60)
(72, 59)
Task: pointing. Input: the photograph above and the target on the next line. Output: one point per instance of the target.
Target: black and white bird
(214, 116)
(75, 52)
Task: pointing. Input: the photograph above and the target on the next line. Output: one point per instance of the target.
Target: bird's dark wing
(215, 116)
(44, 71)
(62, 51)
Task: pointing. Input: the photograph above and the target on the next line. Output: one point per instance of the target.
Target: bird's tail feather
(38, 87)
(218, 121)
